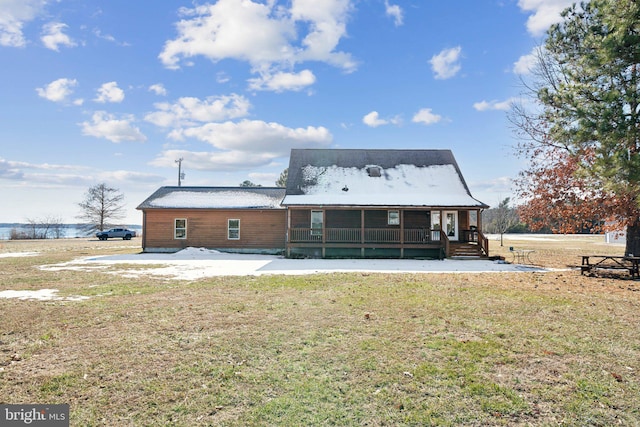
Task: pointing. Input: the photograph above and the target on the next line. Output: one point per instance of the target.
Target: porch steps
(465, 250)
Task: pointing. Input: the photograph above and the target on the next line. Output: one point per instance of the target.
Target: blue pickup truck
(124, 233)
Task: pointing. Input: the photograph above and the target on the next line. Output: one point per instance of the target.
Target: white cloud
(58, 90)
(258, 136)
(493, 105)
(104, 125)
(158, 89)
(222, 77)
(445, 64)
(108, 37)
(10, 170)
(129, 176)
(109, 92)
(214, 160)
(427, 117)
(13, 15)
(545, 13)
(373, 120)
(244, 145)
(394, 11)
(281, 81)
(189, 111)
(280, 37)
(53, 36)
(525, 64)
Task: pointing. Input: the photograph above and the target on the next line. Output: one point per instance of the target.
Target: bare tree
(101, 206)
(42, 228)
(506, 218)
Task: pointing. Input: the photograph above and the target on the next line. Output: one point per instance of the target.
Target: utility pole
(180, 174)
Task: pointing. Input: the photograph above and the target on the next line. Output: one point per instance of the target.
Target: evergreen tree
(586, 120)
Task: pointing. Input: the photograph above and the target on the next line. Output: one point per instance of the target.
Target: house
(237, 219)
(337, 203)
(380, 203)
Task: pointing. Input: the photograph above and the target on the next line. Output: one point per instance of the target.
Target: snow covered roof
(215, 198)
(429, 178)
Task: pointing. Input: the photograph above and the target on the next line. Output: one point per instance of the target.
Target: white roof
(402, 185)
(214, 200)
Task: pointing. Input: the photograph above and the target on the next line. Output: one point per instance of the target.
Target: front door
(451, 224)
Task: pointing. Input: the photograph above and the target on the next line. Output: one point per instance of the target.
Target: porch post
(324, 234)
(362, 233)
(287, 234)
(401, 214)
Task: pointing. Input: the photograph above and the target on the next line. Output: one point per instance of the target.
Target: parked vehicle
(125, 233)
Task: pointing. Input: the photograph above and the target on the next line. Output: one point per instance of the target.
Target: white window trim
(389, 217)
(317, 231)
(229, 229)
(175, 229)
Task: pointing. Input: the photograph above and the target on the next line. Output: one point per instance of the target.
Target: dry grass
(335, 349)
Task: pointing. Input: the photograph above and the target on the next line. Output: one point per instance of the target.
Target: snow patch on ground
(18, 254)
(41, 295)
(198, 263)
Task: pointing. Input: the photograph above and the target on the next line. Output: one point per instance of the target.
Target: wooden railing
(475, 236)
(382, 235)
(371, 235)
(484, 243)
(344, 235)
(445, 243)
(305, 235)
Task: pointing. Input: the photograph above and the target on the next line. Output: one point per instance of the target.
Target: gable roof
(214, 198)
(429, 178)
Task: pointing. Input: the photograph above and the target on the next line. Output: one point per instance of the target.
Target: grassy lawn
(332, 349)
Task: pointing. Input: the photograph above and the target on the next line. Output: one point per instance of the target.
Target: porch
(389, 233)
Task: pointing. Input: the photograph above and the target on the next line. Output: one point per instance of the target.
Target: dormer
(374, 171)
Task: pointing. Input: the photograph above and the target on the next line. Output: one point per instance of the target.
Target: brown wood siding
(463, 220)
(259, 229)
(342, 218)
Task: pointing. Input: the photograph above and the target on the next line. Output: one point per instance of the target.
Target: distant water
(69, 231)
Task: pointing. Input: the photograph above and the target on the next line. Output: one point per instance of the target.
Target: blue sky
(117, 91)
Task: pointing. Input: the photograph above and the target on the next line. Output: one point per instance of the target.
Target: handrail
(445, 240)
(483, 242)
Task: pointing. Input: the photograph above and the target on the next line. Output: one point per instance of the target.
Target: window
(435, 220)
(233, 229)
(393, 217)
(180, 228)
(316, 223)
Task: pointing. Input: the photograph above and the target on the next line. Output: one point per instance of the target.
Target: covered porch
(341, 232)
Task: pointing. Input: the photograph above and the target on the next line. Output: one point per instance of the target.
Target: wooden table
(610, 262)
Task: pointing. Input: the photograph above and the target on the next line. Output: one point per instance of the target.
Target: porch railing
(484, 243)
(371, 235)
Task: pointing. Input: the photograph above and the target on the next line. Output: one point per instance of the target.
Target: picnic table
(521, 256)
(592, 263)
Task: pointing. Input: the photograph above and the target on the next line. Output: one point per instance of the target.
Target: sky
(117, 92)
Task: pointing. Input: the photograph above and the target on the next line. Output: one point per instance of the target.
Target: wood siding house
(380, 203)
(232, 219)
